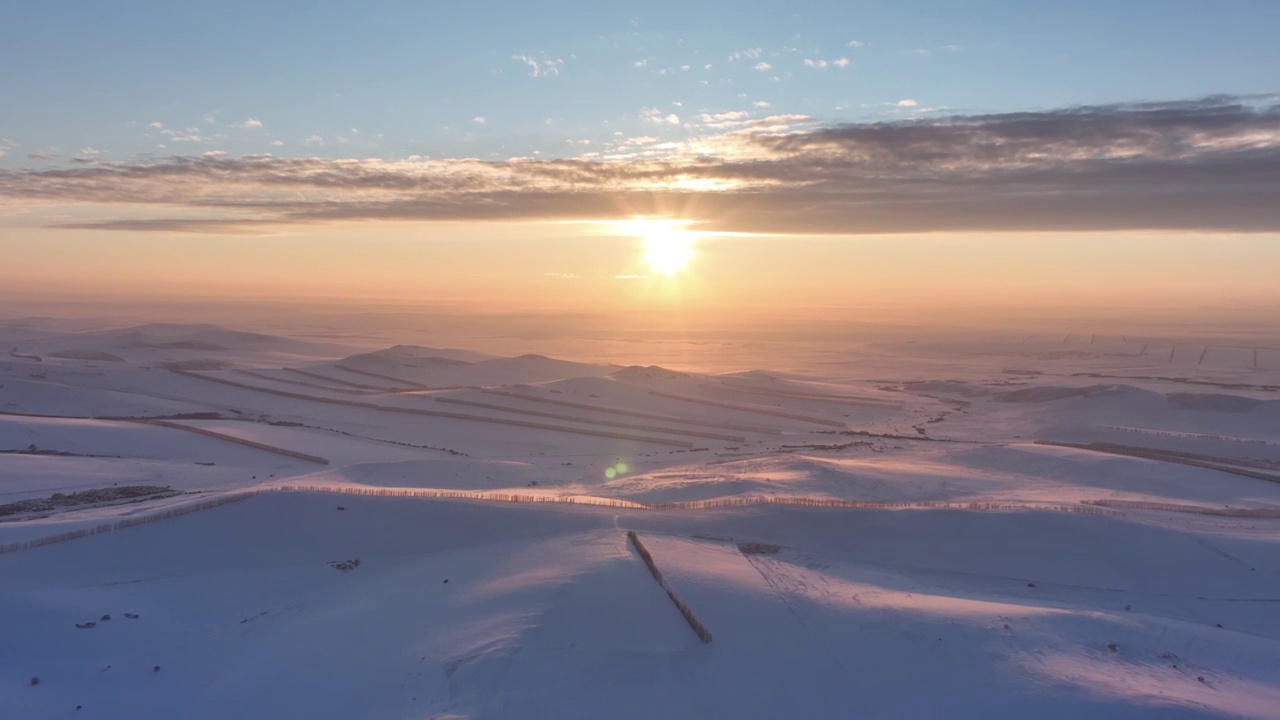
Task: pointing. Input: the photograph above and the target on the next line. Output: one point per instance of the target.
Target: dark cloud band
(1210, 164)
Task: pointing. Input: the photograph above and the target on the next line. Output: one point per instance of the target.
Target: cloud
(214, 154)
(313, 140)
(654, 115)
(856, 44)
(540, 67)
(725, 120)
(640, 63)
(41, 155)
(824, 64)
(191, 134)
(922, 52)
(250, 124)
(762, 66)
(750, 53)
(87, 155)
(907, 103)
(761, 103)
(1200, 165)
(479, 120)
(277, 143)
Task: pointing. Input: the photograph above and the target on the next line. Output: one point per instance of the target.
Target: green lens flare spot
(620, 467)
(610, 473)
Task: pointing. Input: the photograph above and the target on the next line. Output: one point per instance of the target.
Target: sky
(660, 155)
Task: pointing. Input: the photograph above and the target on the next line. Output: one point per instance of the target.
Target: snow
(957, 588)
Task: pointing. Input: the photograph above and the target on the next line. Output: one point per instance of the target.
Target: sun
(668, 251)
(668, 245)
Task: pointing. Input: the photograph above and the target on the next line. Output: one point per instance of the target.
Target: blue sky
(397, 79)
(1098, 152)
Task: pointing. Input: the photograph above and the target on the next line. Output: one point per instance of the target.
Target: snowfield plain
(200, 522)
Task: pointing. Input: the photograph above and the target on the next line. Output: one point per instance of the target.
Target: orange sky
(492, 265)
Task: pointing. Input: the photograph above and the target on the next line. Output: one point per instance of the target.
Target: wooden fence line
(1227, 465)
(693, 504)
(443, 414)
(128, 522)
(750, 408)
(698, 628)
(753, 390)
(380, 376)
(303, 383)
(1197, 509)
(339, 381)
(591, 421)
(1192, 435)
(1086, 508)
(633, 413)
(233, 439)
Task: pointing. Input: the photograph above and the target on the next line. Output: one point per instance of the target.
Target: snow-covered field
(1028, 524)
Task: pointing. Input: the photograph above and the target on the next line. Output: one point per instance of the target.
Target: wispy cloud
(724, 120)
(856, 44)
(479, 120)
(540, 66)
(819, 64)
(1211, 164)
(250, 124)
(190, 134)
(762, 66)
(654, 115)
(87, 155)
(749, 53)
(908, 102)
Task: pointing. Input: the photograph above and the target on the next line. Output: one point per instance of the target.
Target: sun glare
(668, 252)
(668, 244)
